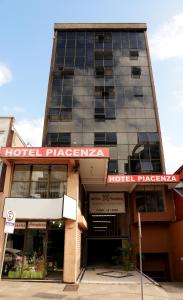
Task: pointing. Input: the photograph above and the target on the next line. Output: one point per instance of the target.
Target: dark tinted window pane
(111, 138)
(99, 138)
(66, 101)
(146, 166)
(113, 166)
(110, 113)
(149, 201)
(138, 91)
(58, 139)
(136, 72)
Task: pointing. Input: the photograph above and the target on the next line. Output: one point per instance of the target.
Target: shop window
(134, 54)
(136, 72)
(105, 138)
(149, 201)
(113, 166)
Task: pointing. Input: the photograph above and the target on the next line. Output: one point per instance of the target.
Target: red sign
(82, 152)
(142, 178)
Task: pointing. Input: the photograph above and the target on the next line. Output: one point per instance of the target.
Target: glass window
(64, 139)
(43, 181)
(110, 113)
(58, 139)
(21, 173)
(134, 54)
(148, 137)
(67, 101)
(58, 173)
(149, 201)
(113, 166)
(99, 138)
(138, 91)
(105, 138)
(20, 189)
(135, 72)
(146, 166)
(39, 172)
(66, 114)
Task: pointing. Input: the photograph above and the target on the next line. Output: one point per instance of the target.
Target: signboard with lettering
(150, 178)
(66, 152)
(20, 225)
(37, 225)
(107, 203)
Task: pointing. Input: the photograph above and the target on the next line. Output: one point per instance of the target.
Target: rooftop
(75, 26)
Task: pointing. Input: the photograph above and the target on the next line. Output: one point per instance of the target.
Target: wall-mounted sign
(107, 203)
(142, 178)
(69, 208)
(35, 208)
(10, 221)
(66, 152)
(20, 225)
(37, 225)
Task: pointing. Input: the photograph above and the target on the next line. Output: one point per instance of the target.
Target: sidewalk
(16, 290)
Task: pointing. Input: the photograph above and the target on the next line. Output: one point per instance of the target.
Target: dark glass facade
(101, 95)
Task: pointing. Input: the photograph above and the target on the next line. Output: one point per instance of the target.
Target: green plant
(128, 256)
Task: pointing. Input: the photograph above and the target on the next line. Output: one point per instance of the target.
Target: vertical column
(3, 195)
(71, 269)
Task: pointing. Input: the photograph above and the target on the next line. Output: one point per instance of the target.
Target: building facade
(101, 93)
(8, 138)
(102, 150)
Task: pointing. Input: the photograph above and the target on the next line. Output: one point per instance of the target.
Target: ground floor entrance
(103, 252)
(35, 251)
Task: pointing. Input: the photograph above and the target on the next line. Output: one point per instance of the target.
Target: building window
(138, 91)
(105, 113)
(105, 138)
(58, 139)
(148, 137)
(135, 72)
(149, 201)
(113, 166)
(133, 54)
(66, 114)
(39, 181)
(60, 114)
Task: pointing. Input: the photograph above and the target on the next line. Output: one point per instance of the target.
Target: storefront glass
(35, 250)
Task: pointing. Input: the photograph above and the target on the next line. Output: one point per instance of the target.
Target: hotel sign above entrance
(150, 178)
(57, 152)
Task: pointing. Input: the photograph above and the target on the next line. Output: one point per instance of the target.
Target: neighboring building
(176, 230)
(8, 138)
(101, 97)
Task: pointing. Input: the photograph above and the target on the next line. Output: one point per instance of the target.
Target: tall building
(77, 198)
(101, 93)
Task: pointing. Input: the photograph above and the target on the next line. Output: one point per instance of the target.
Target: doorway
(103, 252)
